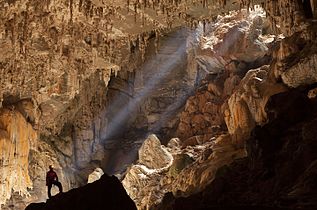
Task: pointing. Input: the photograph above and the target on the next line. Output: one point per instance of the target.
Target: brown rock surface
(279, 172)
(153, 155)
(246, 106)
(229, 48)
(16, 138)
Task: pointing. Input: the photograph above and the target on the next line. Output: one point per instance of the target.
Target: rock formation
(241, 94)
(279, 172)
(16, 139)
(104, 193)
(95, 175)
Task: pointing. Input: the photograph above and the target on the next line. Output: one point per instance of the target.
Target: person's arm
(56, 177)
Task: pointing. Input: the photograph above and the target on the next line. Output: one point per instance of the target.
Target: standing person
(52, 179)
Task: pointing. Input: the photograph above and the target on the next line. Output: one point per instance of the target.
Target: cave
(158, 105)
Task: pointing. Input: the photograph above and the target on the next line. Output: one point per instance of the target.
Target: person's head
(51, 167)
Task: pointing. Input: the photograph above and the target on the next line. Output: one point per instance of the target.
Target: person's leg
(49, 187)
(59, 185)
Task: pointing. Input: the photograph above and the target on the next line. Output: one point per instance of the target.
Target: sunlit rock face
(187, 170)
(239, 99)
(247, 103)
(16, 138)
(142, 181)
(205, 144)
(152, 146)
(280, 169)
(95, 175)
(226, 51)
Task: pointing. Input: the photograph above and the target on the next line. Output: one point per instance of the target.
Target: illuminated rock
(16, 139)
(247, 103)
(153, 155)
(95, 175)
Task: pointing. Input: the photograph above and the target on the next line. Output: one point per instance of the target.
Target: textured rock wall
(246, 106)
(16, 138)
(281, 167)
(229, 95)
(236, 90)
(289, 16)
(280, 159)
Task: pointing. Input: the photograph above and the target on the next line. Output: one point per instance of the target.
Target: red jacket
(51, 176)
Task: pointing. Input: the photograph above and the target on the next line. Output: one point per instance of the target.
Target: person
(52, 179)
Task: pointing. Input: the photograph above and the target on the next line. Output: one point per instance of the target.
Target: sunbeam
(165, 68)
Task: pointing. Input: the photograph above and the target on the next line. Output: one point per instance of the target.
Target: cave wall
(277, 107)
(237, 88)
(75, 137)
(17, 138)
(280, 170)
(227, 74)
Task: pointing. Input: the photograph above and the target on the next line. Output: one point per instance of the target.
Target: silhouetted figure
(52, 179)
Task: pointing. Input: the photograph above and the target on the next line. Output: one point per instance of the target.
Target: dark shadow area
(280, 171)
(106, 193)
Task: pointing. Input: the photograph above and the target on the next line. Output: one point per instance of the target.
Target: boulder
(152, 154)
(95, 175)
(105, 193)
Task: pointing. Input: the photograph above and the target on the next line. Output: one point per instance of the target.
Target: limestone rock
(235, 42)
(190, 169)
(95, 175)
(153, 155)
(17, 137)
(246, 106)
(212, 156)
(302, 73)
(273, 158)
(142, 179)
(232, 38)
(179, 163)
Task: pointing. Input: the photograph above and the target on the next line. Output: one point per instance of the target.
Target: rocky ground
(105, 193)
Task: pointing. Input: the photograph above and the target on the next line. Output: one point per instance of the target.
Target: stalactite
(71, 10)
(142, 46)
(204, 27)
(80, 4)
(135, 12)
(128, 5)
